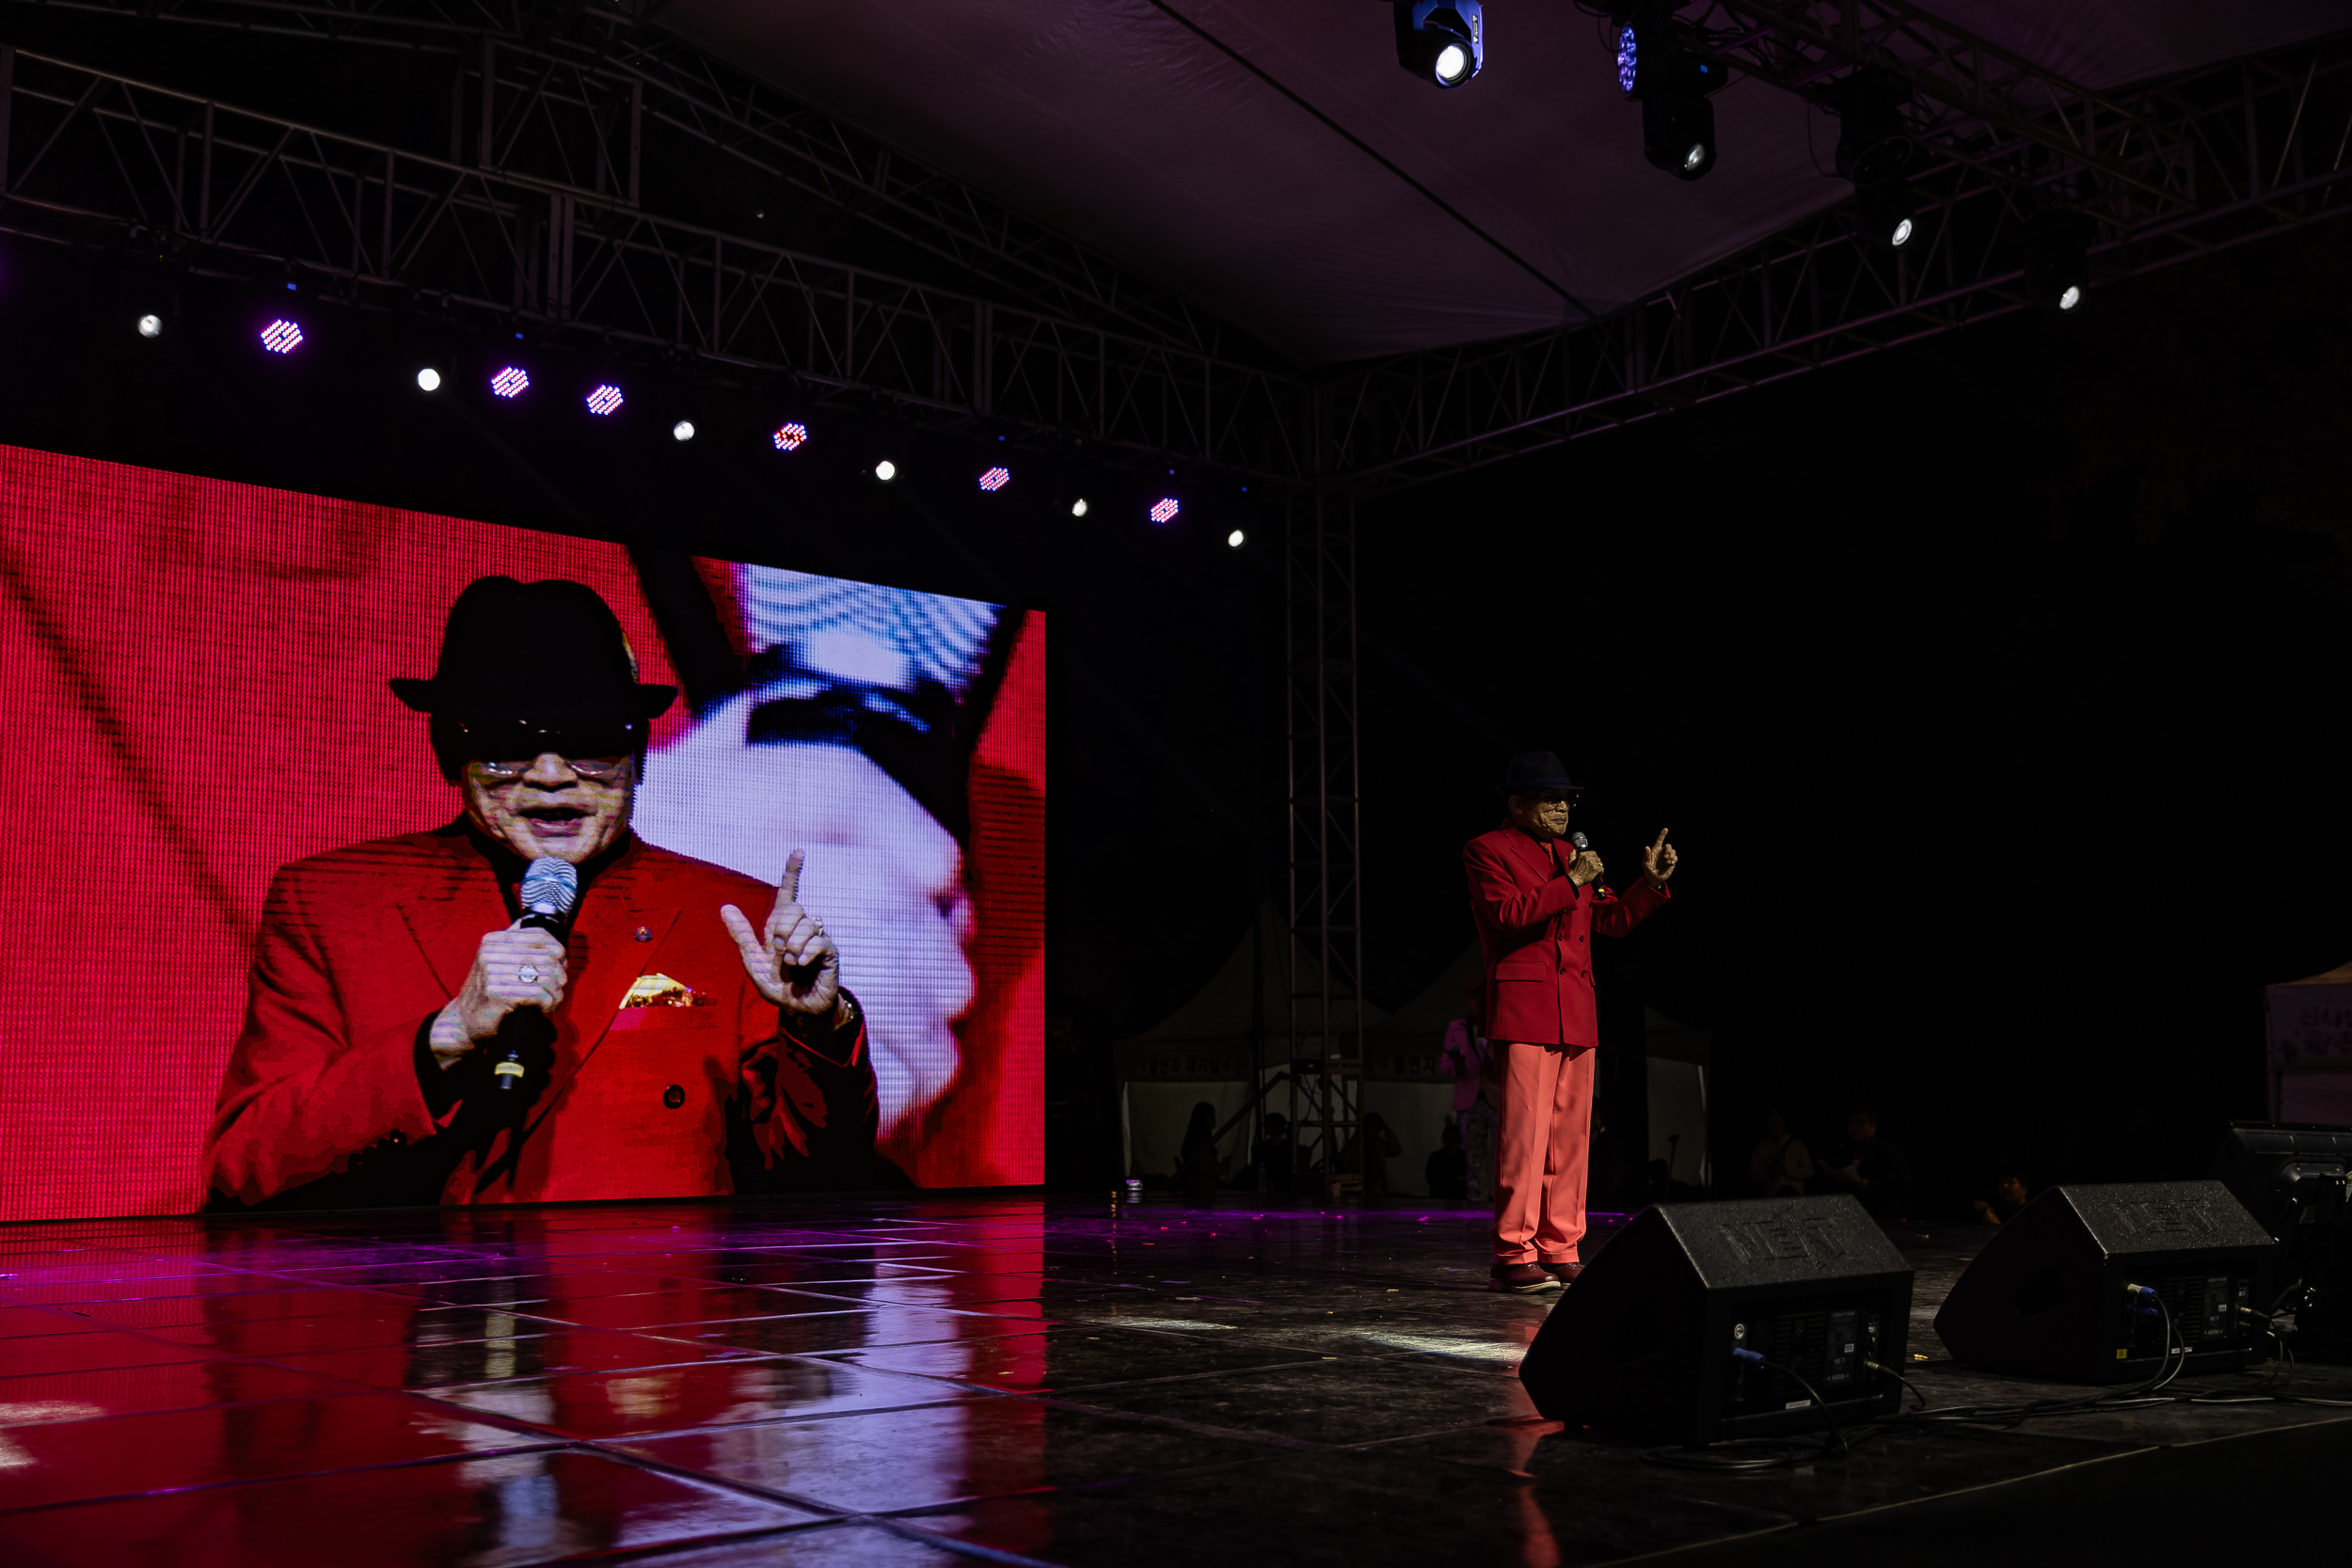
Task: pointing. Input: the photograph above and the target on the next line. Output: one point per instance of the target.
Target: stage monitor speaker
(2055, 1292)
(1643, 1342)
(2287, 1174)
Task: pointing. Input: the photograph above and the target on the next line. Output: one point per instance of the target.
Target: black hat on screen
(550, 652)
(1532, 772)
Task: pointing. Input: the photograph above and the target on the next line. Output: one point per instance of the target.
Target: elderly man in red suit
(1538, 909)
(410, 1037)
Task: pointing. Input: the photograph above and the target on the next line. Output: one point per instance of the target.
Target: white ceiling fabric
(1109, 120)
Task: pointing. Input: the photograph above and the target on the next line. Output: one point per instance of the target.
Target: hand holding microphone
(1586, 866)
(519, 969)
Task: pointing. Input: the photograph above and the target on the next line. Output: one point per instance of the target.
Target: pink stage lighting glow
(511, 382)
(995, 479)
(605, 399)
(1169, 506)
(281, 336)
(792, 437)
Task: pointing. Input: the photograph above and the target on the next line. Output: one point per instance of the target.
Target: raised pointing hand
(793, 963)
(1658, 861)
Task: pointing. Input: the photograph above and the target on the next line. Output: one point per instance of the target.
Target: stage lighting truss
(605, 399)
(282, 336)
(790, 437)
(1442, 41)
(510, 382)
(995, 479)
(1165, 509)
(1672, 85)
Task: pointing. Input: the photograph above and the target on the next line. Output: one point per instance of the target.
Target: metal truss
(1326, 946)
(2239, 152)
(539, 218)
(560, 57)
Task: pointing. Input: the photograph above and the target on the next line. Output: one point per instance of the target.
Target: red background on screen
(194, 694)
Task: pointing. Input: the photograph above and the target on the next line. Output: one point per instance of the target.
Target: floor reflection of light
(1434, 1344)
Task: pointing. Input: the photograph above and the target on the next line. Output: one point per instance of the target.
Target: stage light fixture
(1889, 212)
(605, 399)
(1672, 86)
(1233, 539)
(790, 437)
(1442, 41)
(885, 470)
(151, 327)
(512, 382)
(2057, 261)
(429, 379)
(282, 336)
(1874, 143)
(1078, 507)
(682, 431)
(995, 479)
(1166, 508)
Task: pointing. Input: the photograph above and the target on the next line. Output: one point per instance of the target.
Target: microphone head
(1581, 842)
(550, 886)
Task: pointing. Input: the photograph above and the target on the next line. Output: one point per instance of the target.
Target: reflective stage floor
(1017, 1380)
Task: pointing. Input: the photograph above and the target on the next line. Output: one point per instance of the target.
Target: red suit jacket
(360, 945)
(1535, 928)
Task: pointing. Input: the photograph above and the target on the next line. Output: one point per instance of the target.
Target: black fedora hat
(549, 651)
(1533, 771)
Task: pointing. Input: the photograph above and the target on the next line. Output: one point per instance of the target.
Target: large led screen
(257, 866)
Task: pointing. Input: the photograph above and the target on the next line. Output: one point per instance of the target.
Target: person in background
(1379, 1146)
(1872, 1169)
(1446, 1174)
(1781, 1165)
(2008, 1196)
(1272, 1162)
(1197, 1168)
(1477, 1110)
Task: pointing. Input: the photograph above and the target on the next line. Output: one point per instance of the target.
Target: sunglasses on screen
(505, 748)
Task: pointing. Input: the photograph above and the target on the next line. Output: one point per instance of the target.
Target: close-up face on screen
(365, 856)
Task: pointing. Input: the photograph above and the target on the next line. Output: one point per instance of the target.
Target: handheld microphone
(1582, 844)
(549, 889)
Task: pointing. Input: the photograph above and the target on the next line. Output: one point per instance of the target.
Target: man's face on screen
(570, 808)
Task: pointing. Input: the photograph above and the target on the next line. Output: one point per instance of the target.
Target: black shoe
(1520, 1278)
(1564, 1273)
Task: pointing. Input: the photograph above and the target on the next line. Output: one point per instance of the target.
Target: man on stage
(1537, 906)
(410, 1037)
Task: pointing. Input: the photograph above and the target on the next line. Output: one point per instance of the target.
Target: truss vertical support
(1326, 858)
(8, 103)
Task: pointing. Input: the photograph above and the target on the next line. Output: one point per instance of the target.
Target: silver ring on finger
(526, 974)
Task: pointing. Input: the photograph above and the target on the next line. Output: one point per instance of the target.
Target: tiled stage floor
(882, 1381)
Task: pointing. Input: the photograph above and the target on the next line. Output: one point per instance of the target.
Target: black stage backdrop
(1990, 686)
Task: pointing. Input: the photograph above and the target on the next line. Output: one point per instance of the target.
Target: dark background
(1992, 687)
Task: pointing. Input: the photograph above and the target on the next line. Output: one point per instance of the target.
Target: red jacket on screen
(1535, 928)
(360, 945)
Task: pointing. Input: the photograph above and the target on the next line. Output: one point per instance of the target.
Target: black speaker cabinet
(2049, 1296)
(1642, 1343)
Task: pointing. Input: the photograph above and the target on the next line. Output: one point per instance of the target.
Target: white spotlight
(1234, 539)
(151, 327)
(1453, 64)
(429, 379)
(1902, 233)
(682, 431)
(1078, 508)
(2072, 297)
(885, 470)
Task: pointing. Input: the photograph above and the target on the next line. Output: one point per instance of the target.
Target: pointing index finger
(1661, 841)
(789, 885)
